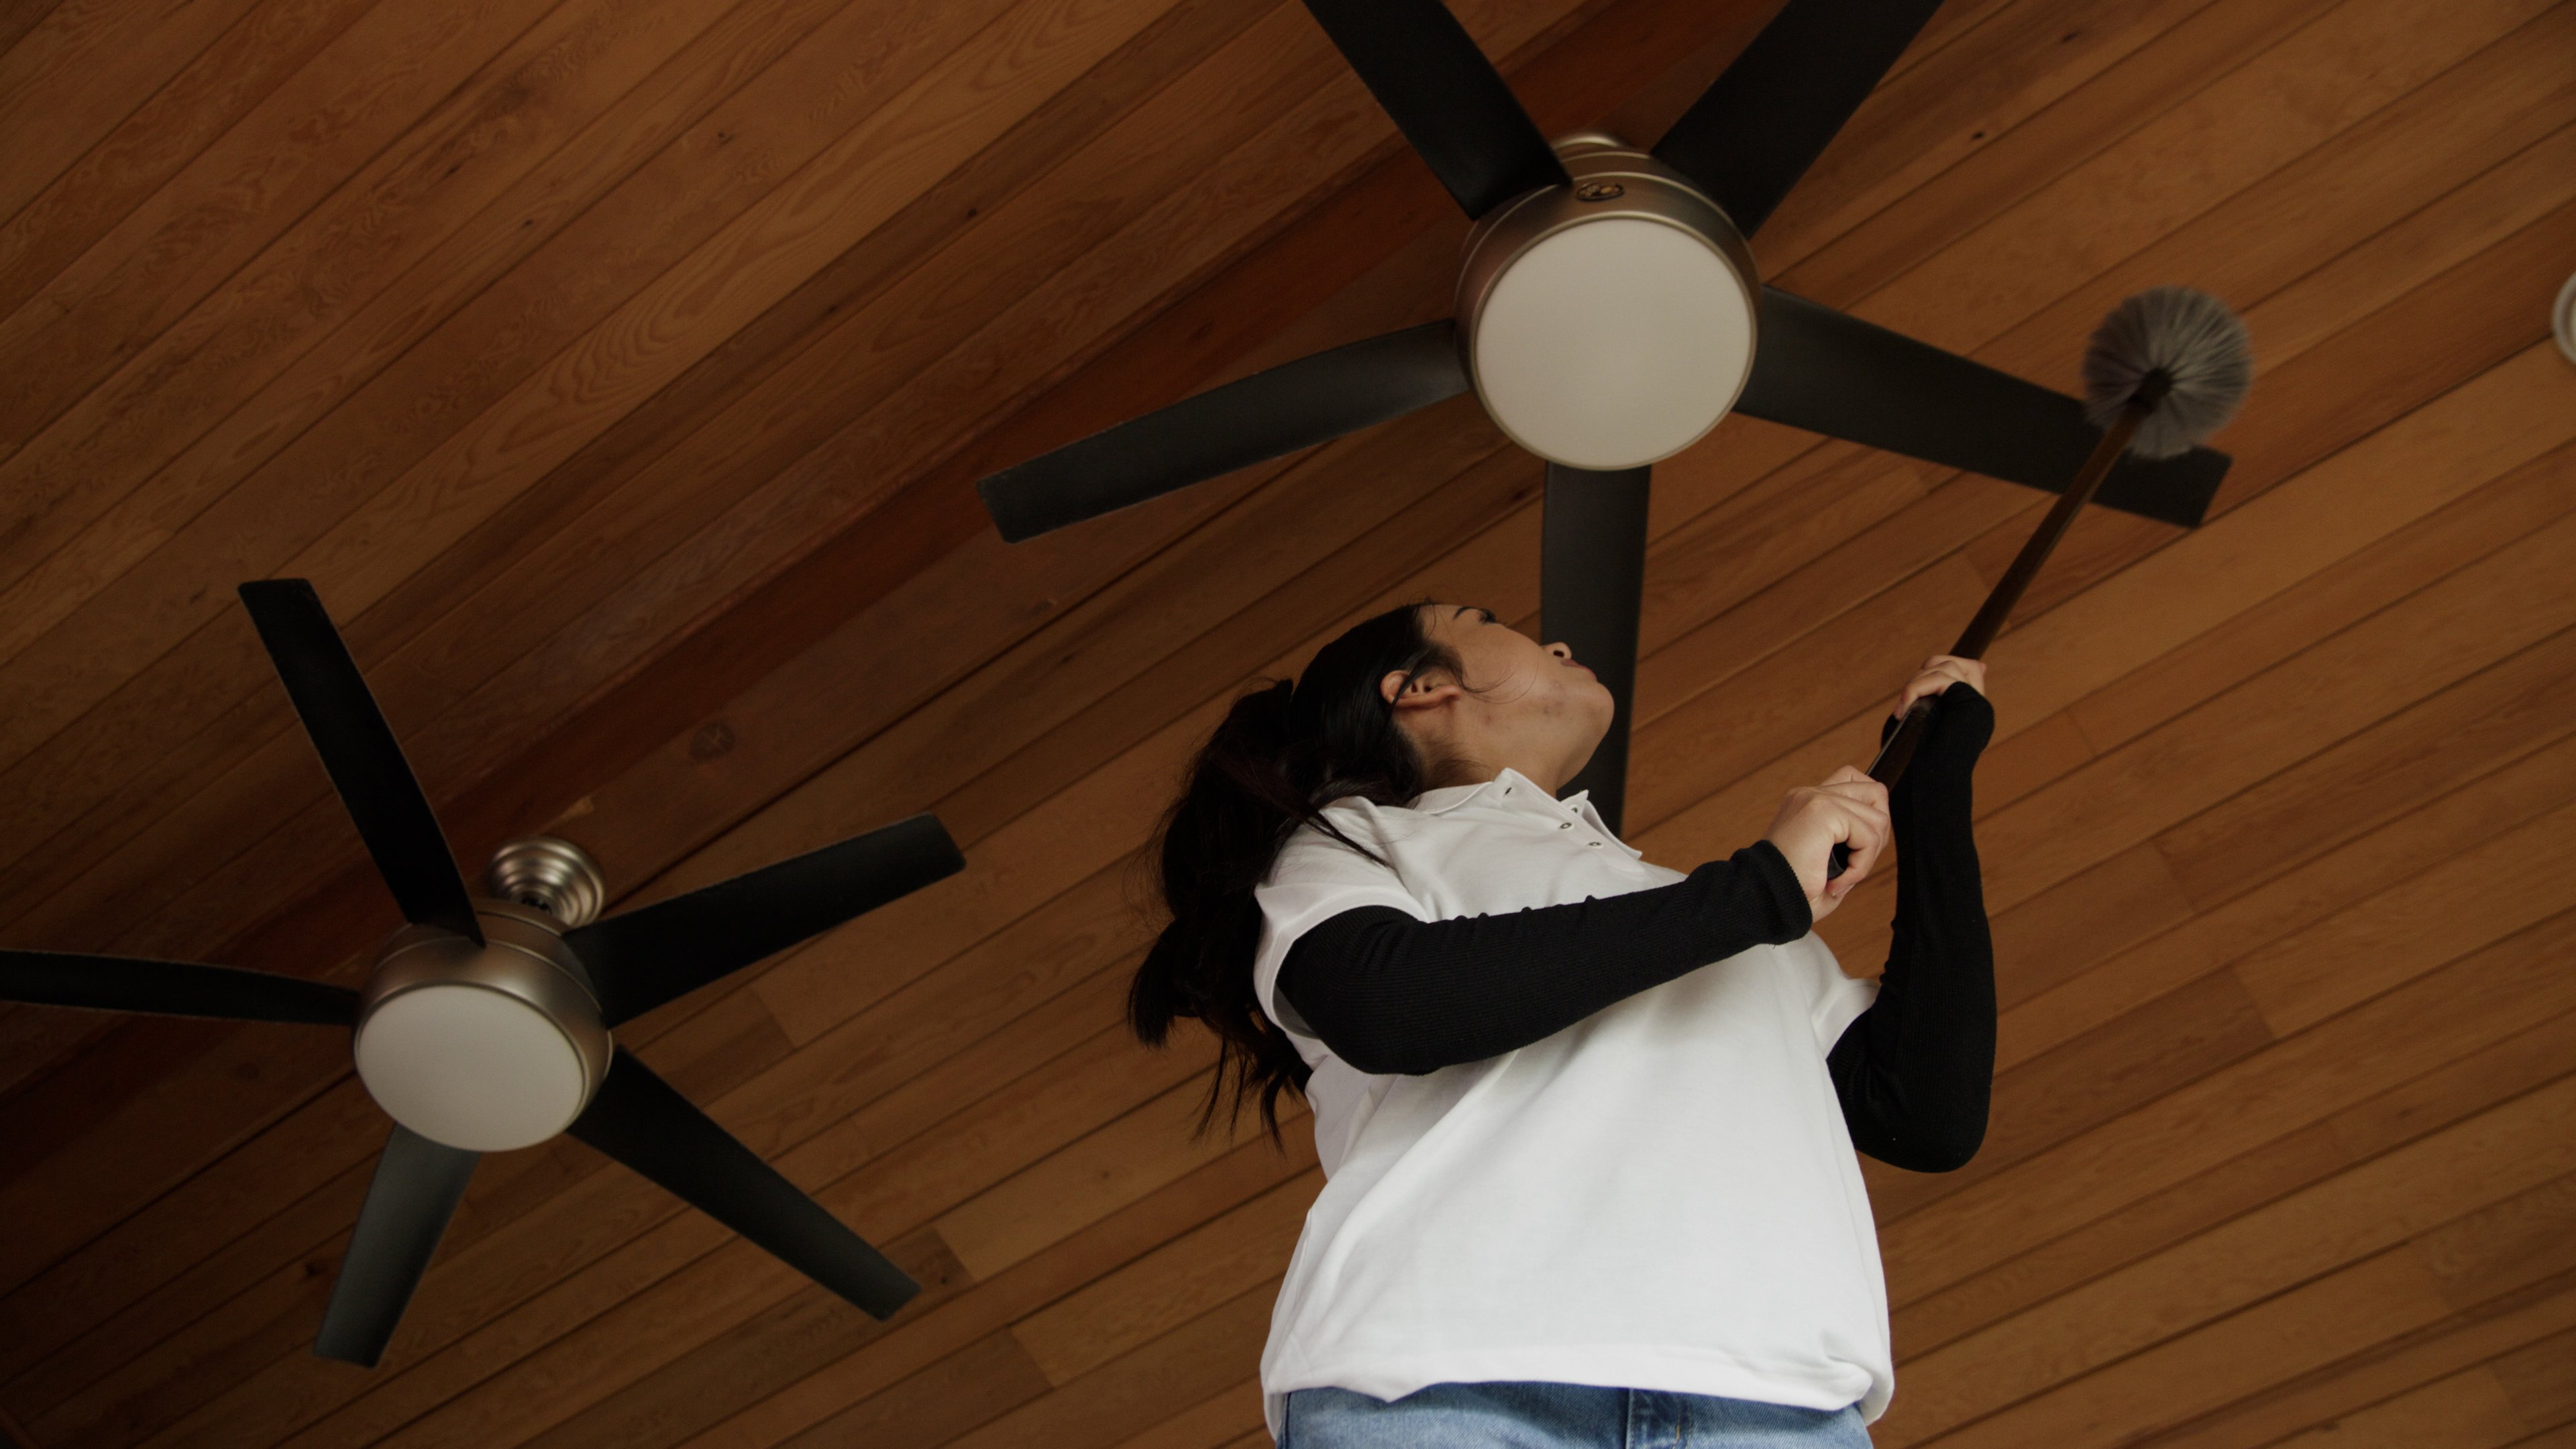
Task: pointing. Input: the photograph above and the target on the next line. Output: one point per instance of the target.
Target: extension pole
(1981, 631)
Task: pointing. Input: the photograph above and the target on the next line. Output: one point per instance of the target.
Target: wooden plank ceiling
(617, 369)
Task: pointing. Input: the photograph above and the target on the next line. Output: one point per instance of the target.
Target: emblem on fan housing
(1610, 323)
(489, 1047)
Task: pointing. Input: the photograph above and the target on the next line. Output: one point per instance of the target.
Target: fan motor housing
(482, 1048)
(1610, 323)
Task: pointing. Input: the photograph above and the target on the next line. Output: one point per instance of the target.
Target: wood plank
(372, 85)
(2469, 1409)
(17, 19)
(2537, 1378)
(2318, 1396)
(2158, 1047)
(2014, 160)
(2378, 577)
(1171, 1285)
(2237, 738)
(81, 69)
(2198, 582)
(1721, 736)
(1976, 92)
(1222, 1419)
(2473, 316)
(1289, 526)
(2320, 1321)
(272, 40)
(2511, 1244)
(804, 1331)
(2486, 721)
(2435, 1019)
(2306, 977)
(1086, 1180)
(2172, 1214)
(2318, 1230)
(2444, 824)
(2461, 162)
(1130, 1394)
(817, 1405)
(959, 1393)
(2241, 128)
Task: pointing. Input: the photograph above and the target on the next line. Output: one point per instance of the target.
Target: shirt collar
(1519, 786)
(1450, 797)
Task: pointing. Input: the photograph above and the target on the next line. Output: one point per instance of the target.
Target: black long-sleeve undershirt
(1390, 993)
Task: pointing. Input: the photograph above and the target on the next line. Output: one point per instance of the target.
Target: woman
(1586, 1122)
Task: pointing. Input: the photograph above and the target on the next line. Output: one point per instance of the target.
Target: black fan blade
(1294, 405)
(360, 754)
(1827, 372)
(170, 988)
(1592, 580)
(1759, 126)
(665, 950)
(644, 1122)
(1446, 98)
(415, 1191)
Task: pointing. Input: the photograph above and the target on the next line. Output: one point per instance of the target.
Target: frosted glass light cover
(1614, 343)
(470, 1067)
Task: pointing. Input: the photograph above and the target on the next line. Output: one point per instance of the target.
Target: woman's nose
(1561, 651)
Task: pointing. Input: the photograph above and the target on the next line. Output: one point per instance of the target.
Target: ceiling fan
(484, 1024)
(1608, 313)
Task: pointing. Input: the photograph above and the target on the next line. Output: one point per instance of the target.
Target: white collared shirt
(1662, 1195)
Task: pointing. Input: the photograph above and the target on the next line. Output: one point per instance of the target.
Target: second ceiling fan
(1608, 314)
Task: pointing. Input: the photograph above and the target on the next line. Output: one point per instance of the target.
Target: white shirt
(1662, 1195)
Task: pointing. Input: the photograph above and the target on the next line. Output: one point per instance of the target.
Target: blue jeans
(1558, 1416)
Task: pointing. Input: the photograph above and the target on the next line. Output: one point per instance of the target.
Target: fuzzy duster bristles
(2195, 341)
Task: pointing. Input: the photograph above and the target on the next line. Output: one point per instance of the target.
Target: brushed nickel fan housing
(496, 1046)
(1608, 323)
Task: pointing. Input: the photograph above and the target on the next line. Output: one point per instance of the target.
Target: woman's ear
(1428, 689)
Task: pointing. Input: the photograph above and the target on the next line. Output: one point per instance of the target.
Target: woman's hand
(1939, 673)
(1849, 807)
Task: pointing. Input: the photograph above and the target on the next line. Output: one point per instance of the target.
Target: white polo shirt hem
(1392, 1370)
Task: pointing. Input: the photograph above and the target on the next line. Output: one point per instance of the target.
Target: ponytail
(1282, 754)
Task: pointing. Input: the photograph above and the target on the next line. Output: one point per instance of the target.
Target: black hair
(1283, 752)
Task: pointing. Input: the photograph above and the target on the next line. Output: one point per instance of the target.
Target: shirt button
(1592, 842)
(1565, 825)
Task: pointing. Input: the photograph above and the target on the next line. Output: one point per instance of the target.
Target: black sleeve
(1390, 993)
(1914, 1071)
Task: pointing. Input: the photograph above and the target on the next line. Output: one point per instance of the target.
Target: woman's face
(1531, 706)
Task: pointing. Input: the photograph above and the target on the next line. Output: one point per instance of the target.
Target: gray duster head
(2191, 338)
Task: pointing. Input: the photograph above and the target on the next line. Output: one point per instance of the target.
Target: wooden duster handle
(1981, 631)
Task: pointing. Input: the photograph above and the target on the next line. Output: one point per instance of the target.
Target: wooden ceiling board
(619, 370)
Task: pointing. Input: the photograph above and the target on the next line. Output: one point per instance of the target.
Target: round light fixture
(471, 1067)
(482, 1048)
(2562, 319)
(1609, 324)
